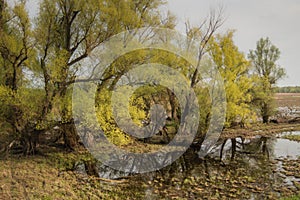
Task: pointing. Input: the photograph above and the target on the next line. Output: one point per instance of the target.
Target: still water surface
(237, 168)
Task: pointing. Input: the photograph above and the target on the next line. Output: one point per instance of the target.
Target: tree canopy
(267, 73)
(40, 59)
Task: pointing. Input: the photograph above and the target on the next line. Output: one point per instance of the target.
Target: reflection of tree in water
(259, 146)
(248, 175)
(245, 171)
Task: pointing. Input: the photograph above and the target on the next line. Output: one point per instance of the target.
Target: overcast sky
(252, 19)
(277, 19)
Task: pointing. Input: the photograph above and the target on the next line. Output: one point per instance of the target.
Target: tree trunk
(265, 113)
(70, 137)
(28, 145)
(265, 119)
(174, 106)
(1, 13)
(30, 139)
(233, 148)
(91, 168)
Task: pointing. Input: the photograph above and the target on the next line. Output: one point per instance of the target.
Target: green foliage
(106, 120)
(15, 45)
(67, 31)
(31, 101)
(266, 72)
(292, 137)
(6, 102)
(264, 59)
(288, 89)
(295, 197)
(39, 60)
(21, 107)
(234, 68)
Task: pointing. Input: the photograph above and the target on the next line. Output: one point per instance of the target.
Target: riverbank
(267, 130)
(57, 174)
(53, 176)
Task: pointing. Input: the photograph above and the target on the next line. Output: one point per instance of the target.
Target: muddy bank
(267, 130)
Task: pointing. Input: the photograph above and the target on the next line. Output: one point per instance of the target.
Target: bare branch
(207, 29)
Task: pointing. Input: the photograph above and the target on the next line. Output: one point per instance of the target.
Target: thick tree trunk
(1, 13)
(30, 139)
(265, 113)
(70, 137)
(265, 119)
(28, 145)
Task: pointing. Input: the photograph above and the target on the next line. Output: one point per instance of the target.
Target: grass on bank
(50, 177)
(293, 138)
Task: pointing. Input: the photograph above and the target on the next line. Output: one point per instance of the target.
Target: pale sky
(252, 19)
(277, 19)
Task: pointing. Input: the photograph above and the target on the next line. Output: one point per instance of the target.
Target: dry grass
(48, 177)
(288, 99)
(267, 130)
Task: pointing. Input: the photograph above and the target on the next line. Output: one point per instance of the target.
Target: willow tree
(19, 105)
(234, 68)
(199, 35)
(264, 60)
(67, 31)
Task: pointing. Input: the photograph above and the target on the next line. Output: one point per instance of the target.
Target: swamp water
(254, 168)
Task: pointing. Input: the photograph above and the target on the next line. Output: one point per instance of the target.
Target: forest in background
(287, 89)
